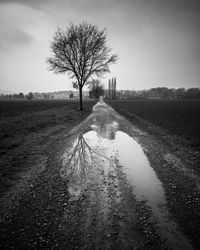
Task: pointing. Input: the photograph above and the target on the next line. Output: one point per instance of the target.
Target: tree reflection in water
(107, 132)
(80, 165)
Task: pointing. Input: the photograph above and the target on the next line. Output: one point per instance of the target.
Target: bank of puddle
(104, 144)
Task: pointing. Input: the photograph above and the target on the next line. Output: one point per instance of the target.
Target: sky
(157, 41)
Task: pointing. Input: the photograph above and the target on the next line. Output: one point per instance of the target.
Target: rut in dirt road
(99, 191)
(108, 166)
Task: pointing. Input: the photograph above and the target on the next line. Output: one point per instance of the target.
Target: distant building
(65, 95)
(68, 94)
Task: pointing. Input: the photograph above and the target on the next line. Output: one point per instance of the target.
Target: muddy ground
(108, 183)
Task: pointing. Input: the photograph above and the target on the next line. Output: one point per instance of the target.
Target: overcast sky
(158, 41)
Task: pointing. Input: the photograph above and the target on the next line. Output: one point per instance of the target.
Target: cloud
(13, 37)
(13, 31)
(91, 5)
(21, 25)
(31, 3)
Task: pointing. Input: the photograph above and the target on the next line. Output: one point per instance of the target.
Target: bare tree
(96, 88)
(29, 96)
(81, 51)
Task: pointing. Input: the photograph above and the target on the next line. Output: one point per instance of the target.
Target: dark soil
(180, 118)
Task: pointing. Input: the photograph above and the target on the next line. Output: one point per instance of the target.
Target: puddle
(147, 187)
(104, 145)
(89, 154)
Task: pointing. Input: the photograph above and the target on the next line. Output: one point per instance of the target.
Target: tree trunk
(80, 98)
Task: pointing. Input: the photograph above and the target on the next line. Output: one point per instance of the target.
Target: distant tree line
(97, 89)
(19, 96)
(160, 93)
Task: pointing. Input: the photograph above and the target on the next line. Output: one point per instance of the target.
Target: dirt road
(106, 185)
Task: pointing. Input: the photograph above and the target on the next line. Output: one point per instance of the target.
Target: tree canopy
(96, 88)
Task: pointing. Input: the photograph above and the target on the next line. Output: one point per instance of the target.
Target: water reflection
(78, 163)
(138, 170)
(147, 187)
(87, 152)
(105, 130)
